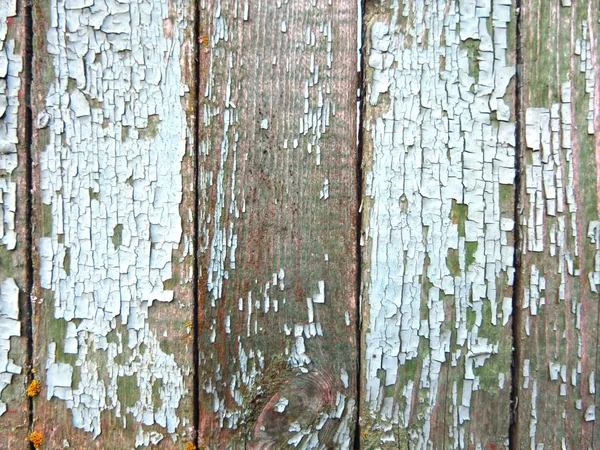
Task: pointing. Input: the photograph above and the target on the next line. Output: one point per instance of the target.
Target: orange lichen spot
(205, 40)
(365, 433)
(36, 439)
(190, 446)
(189, 324)
(34, 388)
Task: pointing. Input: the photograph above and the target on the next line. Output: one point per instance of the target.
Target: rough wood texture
(277, 221)
(13, 230)
(195, 268)
(438, 224)
(558, 333)
(113, 89)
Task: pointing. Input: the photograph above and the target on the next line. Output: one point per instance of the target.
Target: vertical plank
(13, 230)
(277, 224)
(439, 157)
(113, 90)
(560, 225)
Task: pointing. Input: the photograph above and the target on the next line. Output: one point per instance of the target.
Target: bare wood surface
(13, 230)
(113, 253)
(277, 224)
(438, 224)
(558, 333)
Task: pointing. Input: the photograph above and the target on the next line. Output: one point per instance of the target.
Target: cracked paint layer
(557, 385)
(111, 188)
(11, 66)
(276, 219)
(9, 326)
(438, 223)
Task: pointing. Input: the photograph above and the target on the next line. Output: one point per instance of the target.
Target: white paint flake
(111, 176)
(9, 326)
(442, 148)
(583, 48)
(281, 405)
(594, 276)
(550, 220)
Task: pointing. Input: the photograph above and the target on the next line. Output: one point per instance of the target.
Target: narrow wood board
(113, 217)
(558, 331)
(14, 418)
(438, 221)
(277, 224)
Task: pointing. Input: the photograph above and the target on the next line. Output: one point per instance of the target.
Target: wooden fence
(311, 224)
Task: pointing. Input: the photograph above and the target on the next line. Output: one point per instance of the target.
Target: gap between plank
(514, 428)
(196, 228)
(29, 273)
(360, 102)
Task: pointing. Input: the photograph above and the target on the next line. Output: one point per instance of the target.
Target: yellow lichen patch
(190, 446)
(189, 324)
(36, 439)
(34, 388)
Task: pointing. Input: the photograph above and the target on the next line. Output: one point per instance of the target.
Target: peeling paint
(552, 232)
(117, 136)
(559, 295)
(11, 66)
(270, 160)
(9, 326)
(440, 251)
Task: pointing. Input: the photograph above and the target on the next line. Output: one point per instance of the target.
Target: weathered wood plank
(114, 205)
(14, 415)
(277, 219)
(439, 158)
(558, 338)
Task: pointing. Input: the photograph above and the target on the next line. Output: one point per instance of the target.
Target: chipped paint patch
(111, 179)
(266, 136)
(9, 326)
(559, 352)
(439, 246)
(552, 245)
(11, 65)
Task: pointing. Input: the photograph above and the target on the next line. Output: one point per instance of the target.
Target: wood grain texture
(13, 229)
(439, 158)
(277, 220)
(146, 173)
(558, 379)
(114, 209)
